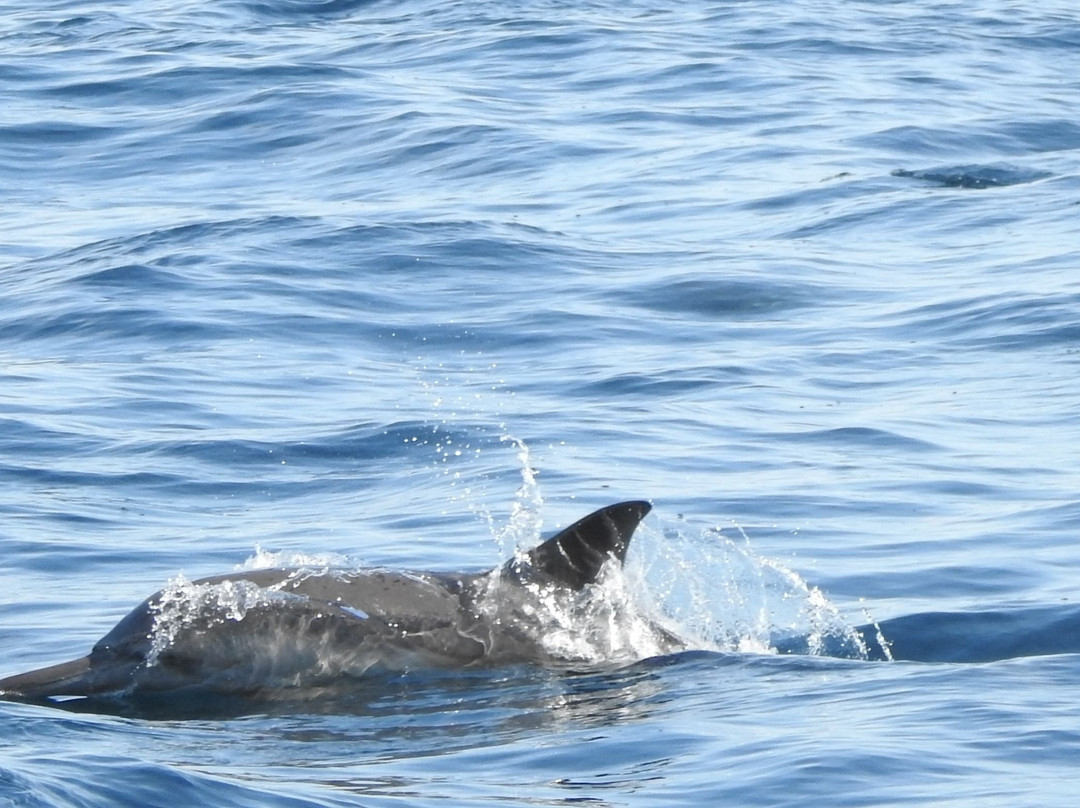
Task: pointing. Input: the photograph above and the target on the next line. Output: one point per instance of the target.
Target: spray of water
(722, 596)
(183, 603)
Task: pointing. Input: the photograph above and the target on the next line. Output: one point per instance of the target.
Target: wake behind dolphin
(263, 633)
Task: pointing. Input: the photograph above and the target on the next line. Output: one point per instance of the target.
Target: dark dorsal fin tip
(574, 556)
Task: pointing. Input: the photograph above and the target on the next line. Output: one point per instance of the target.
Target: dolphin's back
(261, 630)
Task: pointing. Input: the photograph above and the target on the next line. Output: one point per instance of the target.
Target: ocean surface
(411, 284)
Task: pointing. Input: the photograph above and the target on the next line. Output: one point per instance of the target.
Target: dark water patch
(721, 298)
(304, 11)
(985, 636)
(974, 176)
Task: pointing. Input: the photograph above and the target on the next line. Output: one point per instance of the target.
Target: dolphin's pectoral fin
(574, 557)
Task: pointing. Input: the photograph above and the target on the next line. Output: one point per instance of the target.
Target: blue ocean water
(411, 283)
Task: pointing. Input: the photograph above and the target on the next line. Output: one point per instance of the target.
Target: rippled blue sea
(372, 279)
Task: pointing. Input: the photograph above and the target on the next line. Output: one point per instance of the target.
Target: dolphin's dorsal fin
(574, 556)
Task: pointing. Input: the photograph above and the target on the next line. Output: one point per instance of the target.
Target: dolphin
(293, 630)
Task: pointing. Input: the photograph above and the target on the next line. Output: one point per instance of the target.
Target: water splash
(720, 595)
(526, 521)
(316, 562)
(464, 421)
(182, 604)
(883, 643)
(601, 625)
(606, 624)
(521, 531)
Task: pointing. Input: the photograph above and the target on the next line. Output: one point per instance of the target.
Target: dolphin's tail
(65, 679)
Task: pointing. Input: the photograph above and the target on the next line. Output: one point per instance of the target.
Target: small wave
(863, 436)
(1017, 320)
(983, 636)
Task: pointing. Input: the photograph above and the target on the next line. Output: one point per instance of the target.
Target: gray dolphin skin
(250, 632)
